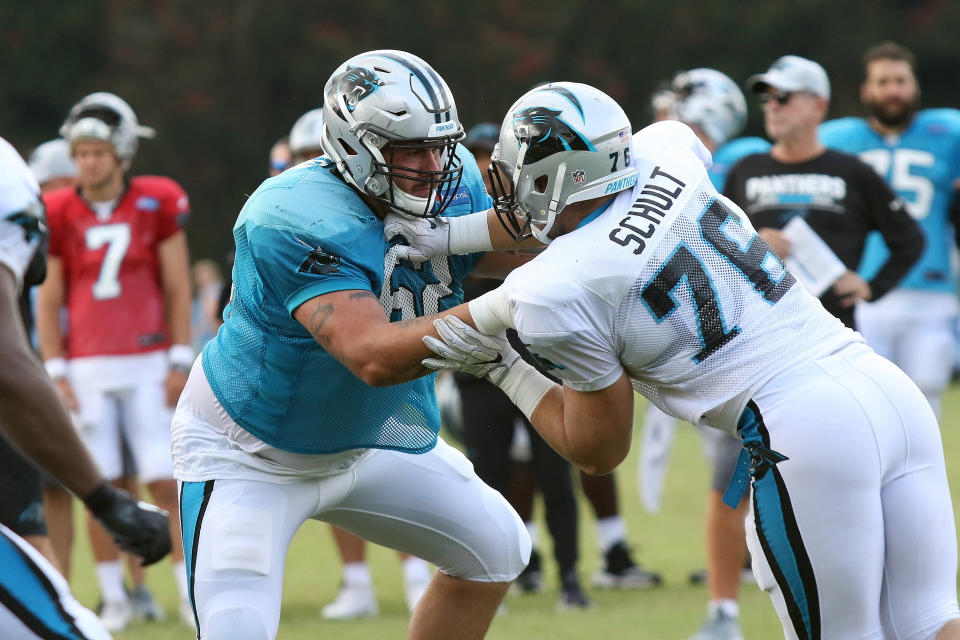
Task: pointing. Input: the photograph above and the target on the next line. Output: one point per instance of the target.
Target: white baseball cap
(792, 73)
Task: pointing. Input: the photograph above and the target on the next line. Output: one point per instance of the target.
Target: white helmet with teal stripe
(560, 143)
(379, 102)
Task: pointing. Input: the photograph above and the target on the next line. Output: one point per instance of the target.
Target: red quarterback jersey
(111, 266)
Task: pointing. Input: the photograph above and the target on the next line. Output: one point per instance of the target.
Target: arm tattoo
(317, 321)
(356, 295)
(319, 318)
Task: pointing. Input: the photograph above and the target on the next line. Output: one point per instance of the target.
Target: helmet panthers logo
(546, 134)
(350, 87)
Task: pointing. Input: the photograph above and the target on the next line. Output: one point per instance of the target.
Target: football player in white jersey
(713, 106)
(35, 600)
(654, 282)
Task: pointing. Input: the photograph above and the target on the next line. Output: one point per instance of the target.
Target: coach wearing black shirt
(839, 196)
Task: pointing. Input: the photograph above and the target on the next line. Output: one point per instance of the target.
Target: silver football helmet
(381, 102)
(560, 143)
(306, 136)
(708, 99)
(105, 116)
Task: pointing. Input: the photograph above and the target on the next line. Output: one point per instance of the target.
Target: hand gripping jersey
(671, 285)
(110, 267)
(302, 234)
(22, 229)
(921, 165)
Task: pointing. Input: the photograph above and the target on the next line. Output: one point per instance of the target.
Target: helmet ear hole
(540, 184)
(346, 147)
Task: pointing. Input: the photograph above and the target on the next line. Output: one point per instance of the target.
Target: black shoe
(621, 572)
(572, 596)
(531, 579)
(698, 577)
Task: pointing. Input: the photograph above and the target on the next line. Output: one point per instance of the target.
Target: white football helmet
(52, 160)
(105, 116)
(306, 136)
(560, 143)
(382, 101)
(705, 98)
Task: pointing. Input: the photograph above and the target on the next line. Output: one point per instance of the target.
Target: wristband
(469, 234)
(56, 368)
(491, 312)
(525, 386)
(100, 498)
(180, 357)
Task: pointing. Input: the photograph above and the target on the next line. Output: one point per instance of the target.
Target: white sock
(110, 577)
(610, 531)
(180, 576)
(415, 570)
(534, 532)
(730, 608)
(356, 574)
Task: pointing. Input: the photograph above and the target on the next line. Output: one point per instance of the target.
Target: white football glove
(463, 348)
(440, 236)
(428, 237)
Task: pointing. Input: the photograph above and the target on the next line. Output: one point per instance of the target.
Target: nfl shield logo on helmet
(579, 176)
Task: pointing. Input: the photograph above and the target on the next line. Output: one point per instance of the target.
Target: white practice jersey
(672, 285)
(21, 214)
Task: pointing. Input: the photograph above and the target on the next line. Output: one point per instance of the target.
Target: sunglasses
(780, 97)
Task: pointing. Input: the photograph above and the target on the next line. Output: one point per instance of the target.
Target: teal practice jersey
(730, 154)
(921, 165)
(302, 234)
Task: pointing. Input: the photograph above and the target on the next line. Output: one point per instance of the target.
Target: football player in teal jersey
(311, 402)
(918, 152)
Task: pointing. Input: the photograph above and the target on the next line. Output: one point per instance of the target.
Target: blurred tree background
(222, 80)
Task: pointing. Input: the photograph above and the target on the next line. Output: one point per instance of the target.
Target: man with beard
(918, 152)
(839, 197)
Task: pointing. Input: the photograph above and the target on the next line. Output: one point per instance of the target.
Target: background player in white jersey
(713, 106)
(35, 600)
(918, 152)
(311, 403)
(120, 266)
(666, 289)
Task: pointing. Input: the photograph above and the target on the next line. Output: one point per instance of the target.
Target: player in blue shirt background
(310, 402)
(918, 152)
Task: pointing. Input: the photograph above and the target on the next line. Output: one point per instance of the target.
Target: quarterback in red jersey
(119, 264)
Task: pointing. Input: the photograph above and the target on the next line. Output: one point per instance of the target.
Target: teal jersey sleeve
(729, 154)
(297, 266)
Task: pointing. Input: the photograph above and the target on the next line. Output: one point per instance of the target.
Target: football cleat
(351, 603)
(719, 627)
(621, 572)
(145, 607)
(116, 615)
(572, 597)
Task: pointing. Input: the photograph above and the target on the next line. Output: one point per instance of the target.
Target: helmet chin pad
(404, 203)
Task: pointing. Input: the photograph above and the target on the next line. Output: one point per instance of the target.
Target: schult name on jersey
(652, 205)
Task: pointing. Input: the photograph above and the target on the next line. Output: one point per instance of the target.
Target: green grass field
(671, 542)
